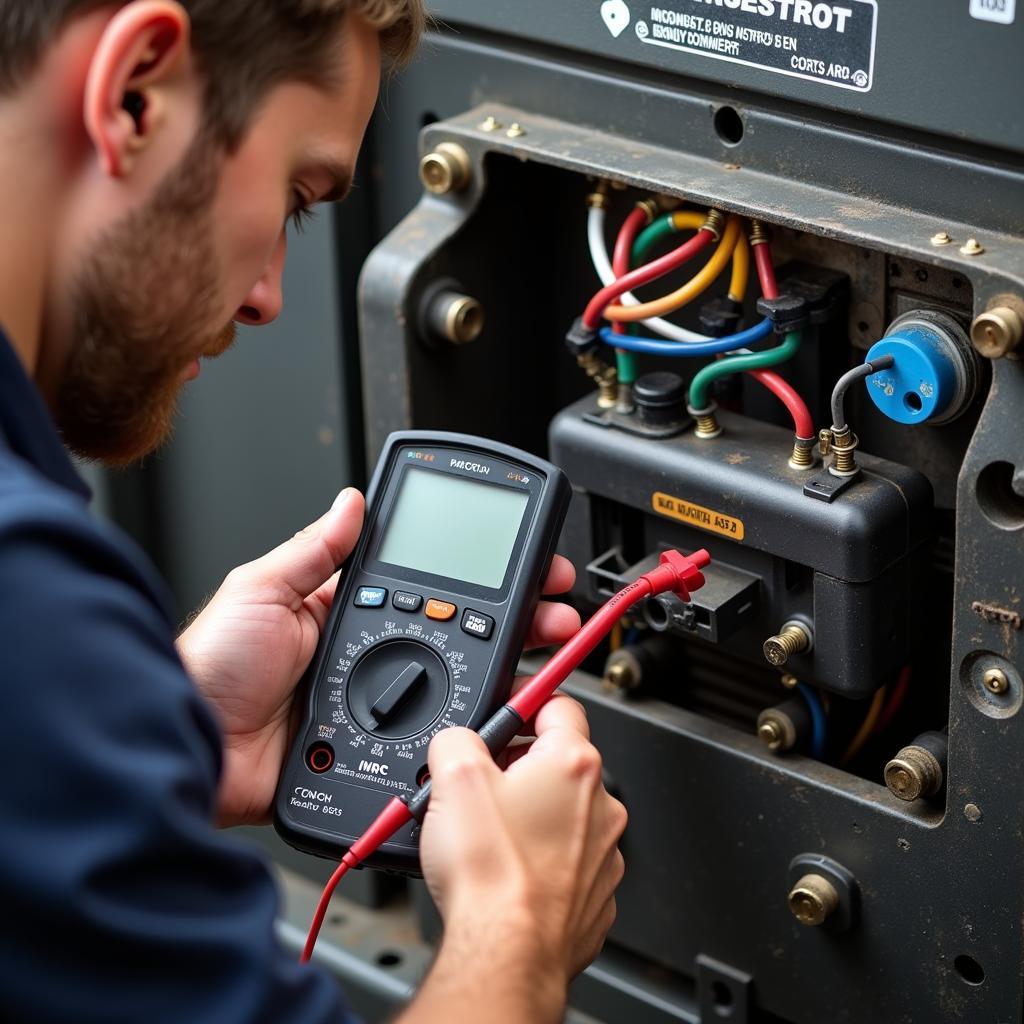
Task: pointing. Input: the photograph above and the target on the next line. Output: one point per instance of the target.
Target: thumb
(300, 565)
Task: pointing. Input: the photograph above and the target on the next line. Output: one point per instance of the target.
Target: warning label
(697, 515)
(832, 43)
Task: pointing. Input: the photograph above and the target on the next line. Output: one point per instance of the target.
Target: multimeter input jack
(319, 758)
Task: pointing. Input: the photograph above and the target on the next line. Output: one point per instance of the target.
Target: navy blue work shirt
(119, 899)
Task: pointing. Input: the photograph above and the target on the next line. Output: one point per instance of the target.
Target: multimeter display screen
(453, 527)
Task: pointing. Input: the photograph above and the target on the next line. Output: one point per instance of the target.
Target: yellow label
(697, 515)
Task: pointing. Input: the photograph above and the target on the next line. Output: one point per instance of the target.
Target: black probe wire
(848, 378)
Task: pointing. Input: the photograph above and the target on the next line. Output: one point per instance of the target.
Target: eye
(302, 213)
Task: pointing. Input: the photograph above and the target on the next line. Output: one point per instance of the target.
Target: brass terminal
(844, 446)
(913, 773)
(707, 425)
(446, 169)
(650, 208)
(813, 899)
(995, 681)
(758, 233)
(598, 199)
(776, 729)
(715, 223)
(997, 332)
(604, 376)
(622, 671)
(793, 638)
(803, 453)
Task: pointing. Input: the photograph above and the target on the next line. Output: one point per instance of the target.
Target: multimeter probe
(676, 572)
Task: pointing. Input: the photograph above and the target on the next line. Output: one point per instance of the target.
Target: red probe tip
(687, 569)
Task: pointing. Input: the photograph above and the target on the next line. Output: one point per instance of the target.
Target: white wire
(603, 266)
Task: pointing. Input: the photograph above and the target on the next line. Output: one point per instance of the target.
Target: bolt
(621, 676)
(707, 423)
(913, 773)
(447, 169)
(995, 681)
(844, 447)
(813, 899)
(792, 639)
(997, 332)
(941, 238)
(775, 729)
(972, 247)
(490, 124)
(515, 130)
(770, 733)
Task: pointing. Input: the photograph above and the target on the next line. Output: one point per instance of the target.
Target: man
(150, 154)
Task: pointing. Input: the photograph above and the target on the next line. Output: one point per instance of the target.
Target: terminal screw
(792, 639)
(604, 376)
(813, 899)
(913, 773)
(715, 223)
(707, 423)
(844, 446)
(803, 453)
(997, 332)
(446, 169)
(995, 681)
(758, 233)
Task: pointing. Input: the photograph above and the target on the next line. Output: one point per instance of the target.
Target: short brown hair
(244, 47)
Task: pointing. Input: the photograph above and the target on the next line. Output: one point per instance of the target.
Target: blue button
(371, 597)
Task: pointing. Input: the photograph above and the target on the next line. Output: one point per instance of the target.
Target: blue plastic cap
(921, 383)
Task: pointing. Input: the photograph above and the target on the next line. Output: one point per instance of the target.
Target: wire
(895, 701)
(803, 423)
(740, 269)
(738, 363)
(625, 362)
(598, 250)
(644, 275)
(765, 270)
(848, 378)
(698, 284)
(866, 727)
(713, 346)
(665, 227)
(818, 723)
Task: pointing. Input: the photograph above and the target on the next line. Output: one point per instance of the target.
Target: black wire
(844, 382)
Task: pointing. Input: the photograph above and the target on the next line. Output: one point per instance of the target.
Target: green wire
(625, 363)
(650, 237)
(739, 364)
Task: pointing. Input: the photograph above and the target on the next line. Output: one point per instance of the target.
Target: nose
(265, 301)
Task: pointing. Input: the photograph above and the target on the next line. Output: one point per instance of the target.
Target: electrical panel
(830, 404)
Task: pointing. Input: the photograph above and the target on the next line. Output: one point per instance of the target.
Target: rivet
(490, 124)
(515, 130)
(942, 238)
(972, 247)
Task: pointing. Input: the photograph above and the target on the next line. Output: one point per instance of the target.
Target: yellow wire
(866, 727)
(740, 269)
(686, 219)
(689, 291)
(616, 636)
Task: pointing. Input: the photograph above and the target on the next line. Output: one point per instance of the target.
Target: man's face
(162, 286)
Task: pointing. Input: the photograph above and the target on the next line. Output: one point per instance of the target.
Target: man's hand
(249, 647)
(523, 865)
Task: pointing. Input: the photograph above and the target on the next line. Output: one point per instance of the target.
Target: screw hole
(721, 997)
(922, 275)
(912, 400)
(1001, 504)
(389, 959)
(729, 125)
(969, 969)
(863, 326)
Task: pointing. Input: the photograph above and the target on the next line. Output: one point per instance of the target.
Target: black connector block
(789, 312)
(721, 316)
(581, 340)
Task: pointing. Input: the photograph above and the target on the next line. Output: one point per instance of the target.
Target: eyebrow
(341, 175)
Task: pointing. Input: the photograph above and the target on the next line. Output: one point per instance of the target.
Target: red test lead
(675, 572)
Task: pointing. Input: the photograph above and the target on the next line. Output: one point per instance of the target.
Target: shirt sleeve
(121, 901)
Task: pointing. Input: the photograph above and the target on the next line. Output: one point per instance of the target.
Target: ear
(143, 50)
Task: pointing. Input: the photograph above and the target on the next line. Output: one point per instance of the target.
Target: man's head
(178, 138)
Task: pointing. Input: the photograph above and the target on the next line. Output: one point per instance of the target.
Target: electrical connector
(787, 313)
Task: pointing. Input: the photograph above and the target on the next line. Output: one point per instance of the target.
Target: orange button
(440, 610)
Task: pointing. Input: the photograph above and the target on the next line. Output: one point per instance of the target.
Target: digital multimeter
(426, 629)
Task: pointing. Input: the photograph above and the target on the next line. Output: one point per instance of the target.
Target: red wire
(766, 270)
(803, 424)
(644, 275)
(631, 227)
(895, 701)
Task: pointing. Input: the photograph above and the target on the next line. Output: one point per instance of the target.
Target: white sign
(1001, 11)
(615, 15)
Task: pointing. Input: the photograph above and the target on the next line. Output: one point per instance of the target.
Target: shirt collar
(27, 427)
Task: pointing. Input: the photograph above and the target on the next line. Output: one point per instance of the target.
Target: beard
(143, 306)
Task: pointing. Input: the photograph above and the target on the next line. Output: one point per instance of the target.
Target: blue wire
(654, 347)
(817, 719)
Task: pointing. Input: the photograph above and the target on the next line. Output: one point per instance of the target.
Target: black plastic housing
(846, 568)
(334, 808)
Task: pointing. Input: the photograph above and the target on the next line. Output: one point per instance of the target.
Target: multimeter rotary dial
(398, 688)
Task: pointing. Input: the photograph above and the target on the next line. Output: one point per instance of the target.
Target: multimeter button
(410, 678)
(371, 597)
(440, 610)
(406, 602)
(477, 624)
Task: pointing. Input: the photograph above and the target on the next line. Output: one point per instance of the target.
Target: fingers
(552, 624)
(301, 565)
(561, 576)
(455, 757)
(562, 712)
